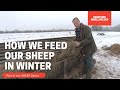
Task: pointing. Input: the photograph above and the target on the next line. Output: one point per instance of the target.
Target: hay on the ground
(114, 49)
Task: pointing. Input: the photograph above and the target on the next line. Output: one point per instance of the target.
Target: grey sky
(10, 20)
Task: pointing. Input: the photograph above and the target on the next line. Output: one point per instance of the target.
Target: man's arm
(88, 37)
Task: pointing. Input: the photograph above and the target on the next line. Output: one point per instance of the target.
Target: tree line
(33, 31)
(100, 28)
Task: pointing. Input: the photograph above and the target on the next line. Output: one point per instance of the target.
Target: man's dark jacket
(84, 36)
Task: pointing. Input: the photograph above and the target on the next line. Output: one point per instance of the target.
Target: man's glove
(77, 44)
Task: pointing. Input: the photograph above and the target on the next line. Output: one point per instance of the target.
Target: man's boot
(84, 71)
(89, 74)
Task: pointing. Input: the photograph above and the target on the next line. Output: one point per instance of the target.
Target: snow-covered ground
(108, 67)
(108, 39)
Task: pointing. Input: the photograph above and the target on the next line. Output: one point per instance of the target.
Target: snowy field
(108, 39)
(107, 66)
(10, 37)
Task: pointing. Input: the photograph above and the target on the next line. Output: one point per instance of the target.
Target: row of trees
(100, 28)
(97, 28)
(32, 31)
(94, 28)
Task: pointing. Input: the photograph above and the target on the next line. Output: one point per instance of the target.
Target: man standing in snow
(85, 41)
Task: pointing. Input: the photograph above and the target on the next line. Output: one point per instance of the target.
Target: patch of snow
(108, 39)
(108, 67)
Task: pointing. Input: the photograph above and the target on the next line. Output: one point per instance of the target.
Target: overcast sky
(10, 20)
